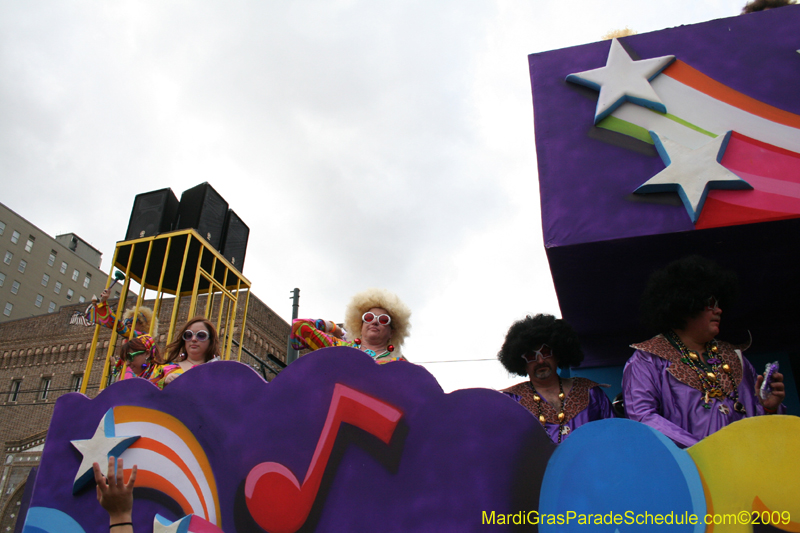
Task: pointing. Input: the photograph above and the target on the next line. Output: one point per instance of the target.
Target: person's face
(543, 365)
(195, 348)
(705, 325)
(376, 333)
(137, 362)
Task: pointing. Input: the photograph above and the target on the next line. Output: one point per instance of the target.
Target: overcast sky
(374, 143)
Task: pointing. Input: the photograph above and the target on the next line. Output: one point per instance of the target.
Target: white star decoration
(623, 79)
(98, 449)
(691, 173)
(162, 525)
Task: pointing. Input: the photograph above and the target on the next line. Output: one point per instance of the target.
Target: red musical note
(276, 500)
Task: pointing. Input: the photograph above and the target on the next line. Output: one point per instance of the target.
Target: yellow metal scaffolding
(179, 263)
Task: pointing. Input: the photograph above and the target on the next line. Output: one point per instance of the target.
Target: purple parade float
(337, 443)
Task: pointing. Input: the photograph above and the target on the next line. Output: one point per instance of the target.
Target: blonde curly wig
(147, 314)
(366, 300)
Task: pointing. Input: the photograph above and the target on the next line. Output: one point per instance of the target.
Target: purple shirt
(655, 397)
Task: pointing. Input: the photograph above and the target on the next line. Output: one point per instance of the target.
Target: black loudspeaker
(234, 240)
(153, 212)
(203, 209)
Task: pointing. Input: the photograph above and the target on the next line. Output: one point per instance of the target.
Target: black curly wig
(526, 335)
(681, 290)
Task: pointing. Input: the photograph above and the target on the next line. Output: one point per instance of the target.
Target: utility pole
(291, 353)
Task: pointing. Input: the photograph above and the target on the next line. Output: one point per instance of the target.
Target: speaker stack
(200, 208)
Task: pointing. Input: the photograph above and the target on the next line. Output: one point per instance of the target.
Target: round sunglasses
(201, 335)
(370, 317)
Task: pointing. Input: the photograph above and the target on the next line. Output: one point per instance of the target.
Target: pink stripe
(758, 200)
(756, 158)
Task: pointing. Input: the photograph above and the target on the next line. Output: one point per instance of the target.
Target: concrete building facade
(39, 273)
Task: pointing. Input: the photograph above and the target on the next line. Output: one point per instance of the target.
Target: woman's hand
(775, 398)
(170, 378)
(114, 495)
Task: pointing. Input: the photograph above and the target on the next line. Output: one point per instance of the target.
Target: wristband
(770, 411)
(121, 524)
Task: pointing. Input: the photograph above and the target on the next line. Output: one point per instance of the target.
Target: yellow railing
(180, 264)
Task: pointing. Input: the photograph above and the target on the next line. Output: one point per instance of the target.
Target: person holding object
(105, 316)
(537, 346)
(378, 322)
(685, 382)
(115, 495)
(196, 343)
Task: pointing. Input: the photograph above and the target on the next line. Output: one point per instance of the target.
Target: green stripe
(624, 127)
(690, 125)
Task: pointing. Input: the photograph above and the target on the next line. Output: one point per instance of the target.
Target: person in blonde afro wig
(377, 323)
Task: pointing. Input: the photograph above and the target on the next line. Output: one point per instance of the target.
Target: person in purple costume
(684, 382)
(537, 346)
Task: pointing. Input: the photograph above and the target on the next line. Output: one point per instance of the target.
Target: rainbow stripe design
(764, 148)
(169, 459)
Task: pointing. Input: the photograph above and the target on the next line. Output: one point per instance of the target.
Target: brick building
(45, 356)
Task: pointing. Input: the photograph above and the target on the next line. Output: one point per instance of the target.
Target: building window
(70, 292)
(13, 394)
(75, 275)
(15, 237)
(45, 280)
(7, 310)
(39, 300)
(57, 290)
(87, 280)
(77, 381)
(29, 244)
(52, 259)
(22, 265)
(52, 307)
(63, 268)
(2, 227)
(44, 389)
(15, 287)
(2, 279)
(81, 299)
(7, 259)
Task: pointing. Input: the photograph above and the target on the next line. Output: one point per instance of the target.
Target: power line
(453, 361)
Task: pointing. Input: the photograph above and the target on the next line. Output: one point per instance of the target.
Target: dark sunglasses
(712, 303)
(370, 317)
(201, 335)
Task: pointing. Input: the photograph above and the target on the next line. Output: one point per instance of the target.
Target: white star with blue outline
(623, 79)
(163, 525)
(99, 448)
(691, 173)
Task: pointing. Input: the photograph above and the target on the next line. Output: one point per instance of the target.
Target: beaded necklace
(561, 416)
(708, 378)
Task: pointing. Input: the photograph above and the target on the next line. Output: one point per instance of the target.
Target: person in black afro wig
(681, 290)
(528, 334)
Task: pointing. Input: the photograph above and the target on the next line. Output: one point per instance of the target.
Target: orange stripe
(695, 79)
(132, 413)
(761, 507)
(162, 449)
(146, 478)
